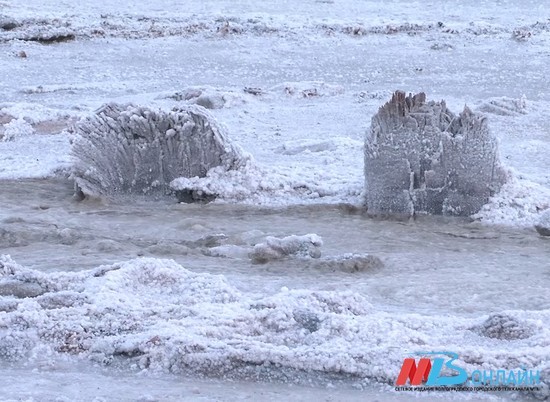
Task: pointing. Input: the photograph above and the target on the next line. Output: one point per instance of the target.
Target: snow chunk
(543, 225)
(16, 129)
(136, 150)
(308, 89)
(420, 157)
(505, 106)
(244, 184)
(519, 202)
(34, 113)
(504, 327)
(350, 263)
(275, 248)
(8, 23)
(42, 30)
(314, 145)
(20, 289)
(208, 97)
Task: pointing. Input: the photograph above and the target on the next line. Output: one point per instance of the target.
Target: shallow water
(431, 265)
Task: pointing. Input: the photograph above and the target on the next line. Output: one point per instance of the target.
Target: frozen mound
(505, 106)
(504, 327)
(127, 149)
(350, 263)
(307, 89)
(254, 184)
(8, 23)
(543, 225)
(208, 97)
(17, 128)
(421, 158)
(156, 316)
(275, 248)
(42, 30)
(519, 201)
(307, 146)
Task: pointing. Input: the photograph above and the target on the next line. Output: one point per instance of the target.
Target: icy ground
(296, 84)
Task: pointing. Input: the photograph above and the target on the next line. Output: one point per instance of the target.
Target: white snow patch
(35, 113)
(208, 97)
(254, 184)
(35, 156)
(314, 145)
(505, 106)
(519, 203)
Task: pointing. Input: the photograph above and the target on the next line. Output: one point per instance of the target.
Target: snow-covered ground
(295, 84)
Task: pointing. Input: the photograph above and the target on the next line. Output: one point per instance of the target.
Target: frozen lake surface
(296, 85)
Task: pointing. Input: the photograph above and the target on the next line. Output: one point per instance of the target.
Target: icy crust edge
(155, 315)
(422, 158)
(129, 149)
(543, 225)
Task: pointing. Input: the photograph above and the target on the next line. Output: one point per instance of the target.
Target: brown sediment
(53, 126)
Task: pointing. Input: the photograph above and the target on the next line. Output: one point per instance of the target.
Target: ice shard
(127, 149)
(422, 158)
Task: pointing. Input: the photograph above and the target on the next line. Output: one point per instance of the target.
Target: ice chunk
(307, 319)
(308, 89)
(20, 289)
(519, 202)
(504, 327)
(505, 106)
(275, 248)
(16, 129)
(302, 146)
(136, 150)
(420, 157)
(543, 225)
(350, 263)
(8, 23)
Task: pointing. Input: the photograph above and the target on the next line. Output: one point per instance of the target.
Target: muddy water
(431, 265)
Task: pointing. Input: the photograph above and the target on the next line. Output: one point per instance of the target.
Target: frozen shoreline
(153, 315)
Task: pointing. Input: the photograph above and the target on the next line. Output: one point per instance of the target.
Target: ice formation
(17, 128)
(351, 263)
(136, 150)
(505, 106)
(421, 158)
(543, 225)
(159, 317)
(274, 248)
(504, 327)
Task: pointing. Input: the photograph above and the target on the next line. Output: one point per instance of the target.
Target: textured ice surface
(275, 249)
(420, 157)
(17, 128)
(504, 327)
(160, 317)
(505, 106)
(543, 225)
(351, 263)
(125, 149)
